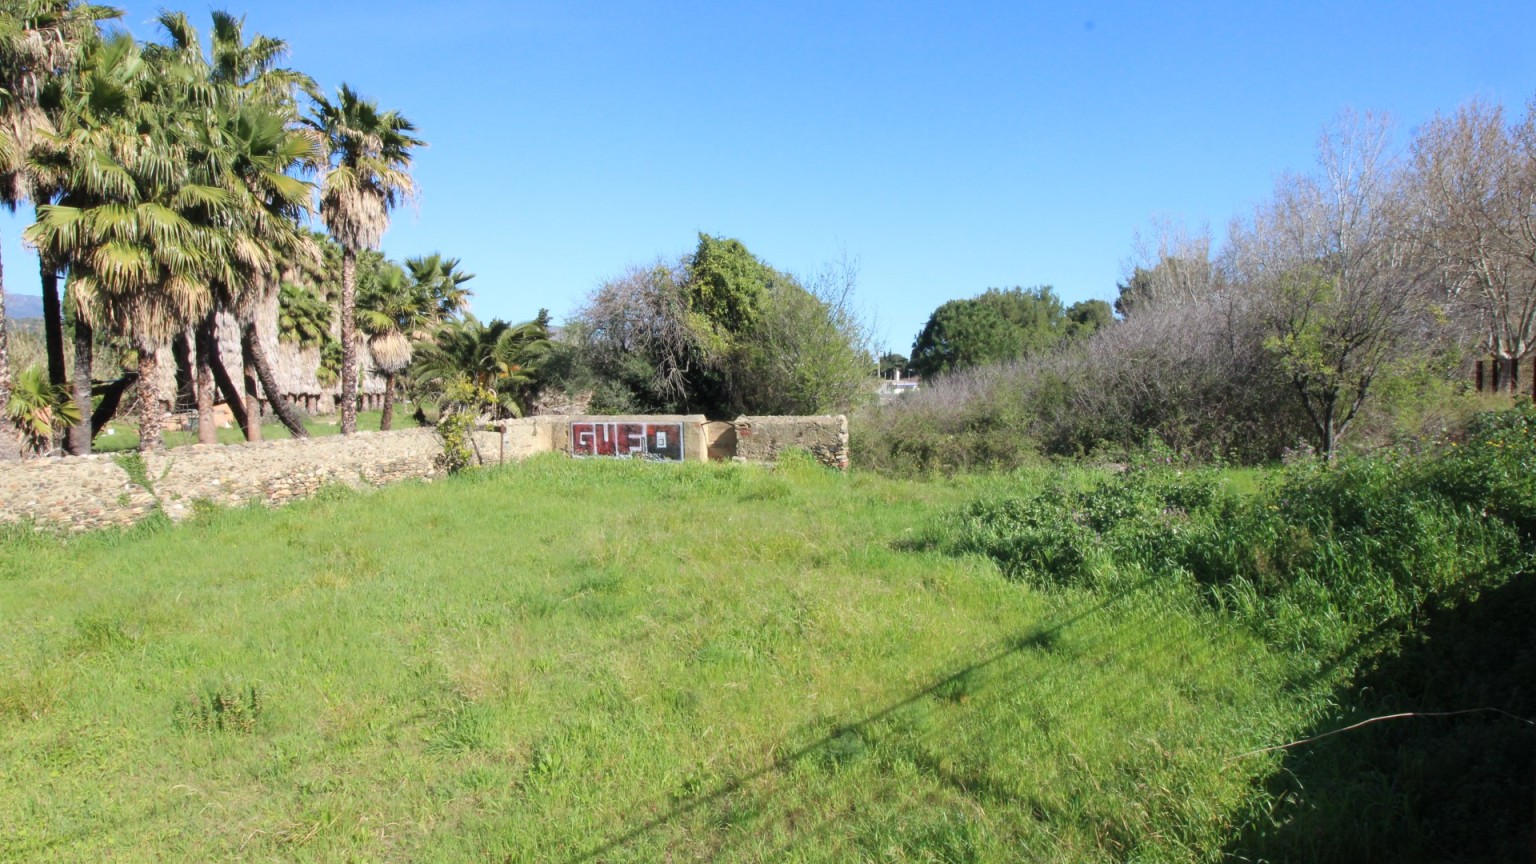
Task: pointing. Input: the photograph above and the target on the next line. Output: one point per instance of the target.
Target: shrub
(1322, 561)
(462, 403)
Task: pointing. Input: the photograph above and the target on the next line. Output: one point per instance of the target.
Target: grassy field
(609, 661)
(588, 661)
(120, 436)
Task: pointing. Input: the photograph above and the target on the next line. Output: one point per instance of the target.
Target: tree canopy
(720, 332)
(1000, 325)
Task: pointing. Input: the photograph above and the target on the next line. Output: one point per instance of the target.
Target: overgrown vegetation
(795, 664)
(1343, 313)
(720, 333)
(1317, 561)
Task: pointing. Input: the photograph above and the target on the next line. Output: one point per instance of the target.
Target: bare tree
(1475, 195)
(638, 323)
(1340, 280)
(1170, 265)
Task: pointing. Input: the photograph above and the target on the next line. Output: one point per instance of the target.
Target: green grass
(119, 435)
(611, 661)
(606, 661)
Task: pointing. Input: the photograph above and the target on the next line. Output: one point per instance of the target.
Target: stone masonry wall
(83, 493)
(88, 492)
(761, 439)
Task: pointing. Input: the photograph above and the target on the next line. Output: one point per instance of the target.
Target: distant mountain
(19, 306)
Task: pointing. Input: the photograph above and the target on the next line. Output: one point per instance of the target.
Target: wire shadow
(1036, 637)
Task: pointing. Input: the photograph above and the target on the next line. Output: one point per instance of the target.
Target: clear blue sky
(946, 148)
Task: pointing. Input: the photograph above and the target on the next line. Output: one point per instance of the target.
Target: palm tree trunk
(205, 347)
(53, 326)
(251, 346)
(81, 434)
(252, 390)
(111, 397)
(10, 445)
(151, 436)
(387, 419)
(226, 384)
(348, 341)
(182, 352)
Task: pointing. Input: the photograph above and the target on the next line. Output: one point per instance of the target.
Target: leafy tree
(632, 343)
(1474, 202)
(1087, 317)
(1171, 280)
(807, 352)
(366, 175)
(1171, 266)
(720, 333)
(727, 286)
(1341, 280)
(893, 362)
(999, 325)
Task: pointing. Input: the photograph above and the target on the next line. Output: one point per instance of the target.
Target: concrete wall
(747, 439)
(81, 493)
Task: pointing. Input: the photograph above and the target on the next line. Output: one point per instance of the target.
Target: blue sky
(946, 148)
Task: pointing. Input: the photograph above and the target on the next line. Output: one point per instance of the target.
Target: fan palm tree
(500, 357)
(365, 175)
(39, 40)
(143, 238)
(393, 309)
(444, 281)
(249, 144)
(39, 410)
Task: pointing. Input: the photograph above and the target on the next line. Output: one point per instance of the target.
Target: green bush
(1322, 561)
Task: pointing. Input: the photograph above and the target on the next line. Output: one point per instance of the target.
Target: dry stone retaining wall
(88, 492)
(83, 493)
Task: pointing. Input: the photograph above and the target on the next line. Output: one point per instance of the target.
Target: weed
(134, 466)
(223, 707)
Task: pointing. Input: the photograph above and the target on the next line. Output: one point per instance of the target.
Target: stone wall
(761, 439)
(88, 492)
(82, 493)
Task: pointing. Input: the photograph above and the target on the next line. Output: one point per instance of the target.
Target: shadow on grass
(828, 746)
(1457, 788)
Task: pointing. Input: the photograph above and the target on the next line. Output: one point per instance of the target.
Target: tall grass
(1364, 576)
(1315, 560)
(583, 661)
(607, 661)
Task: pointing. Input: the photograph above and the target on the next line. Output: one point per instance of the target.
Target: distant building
(894, 384)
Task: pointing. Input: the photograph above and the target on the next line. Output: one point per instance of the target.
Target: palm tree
(39, 40)
(248, 146)
(8, 158)
(500, 357)
(365, 176)
(393, 309)
(443, 281)
(39, 409)
(143, 238)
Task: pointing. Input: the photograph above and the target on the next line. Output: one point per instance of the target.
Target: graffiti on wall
(662, 442)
